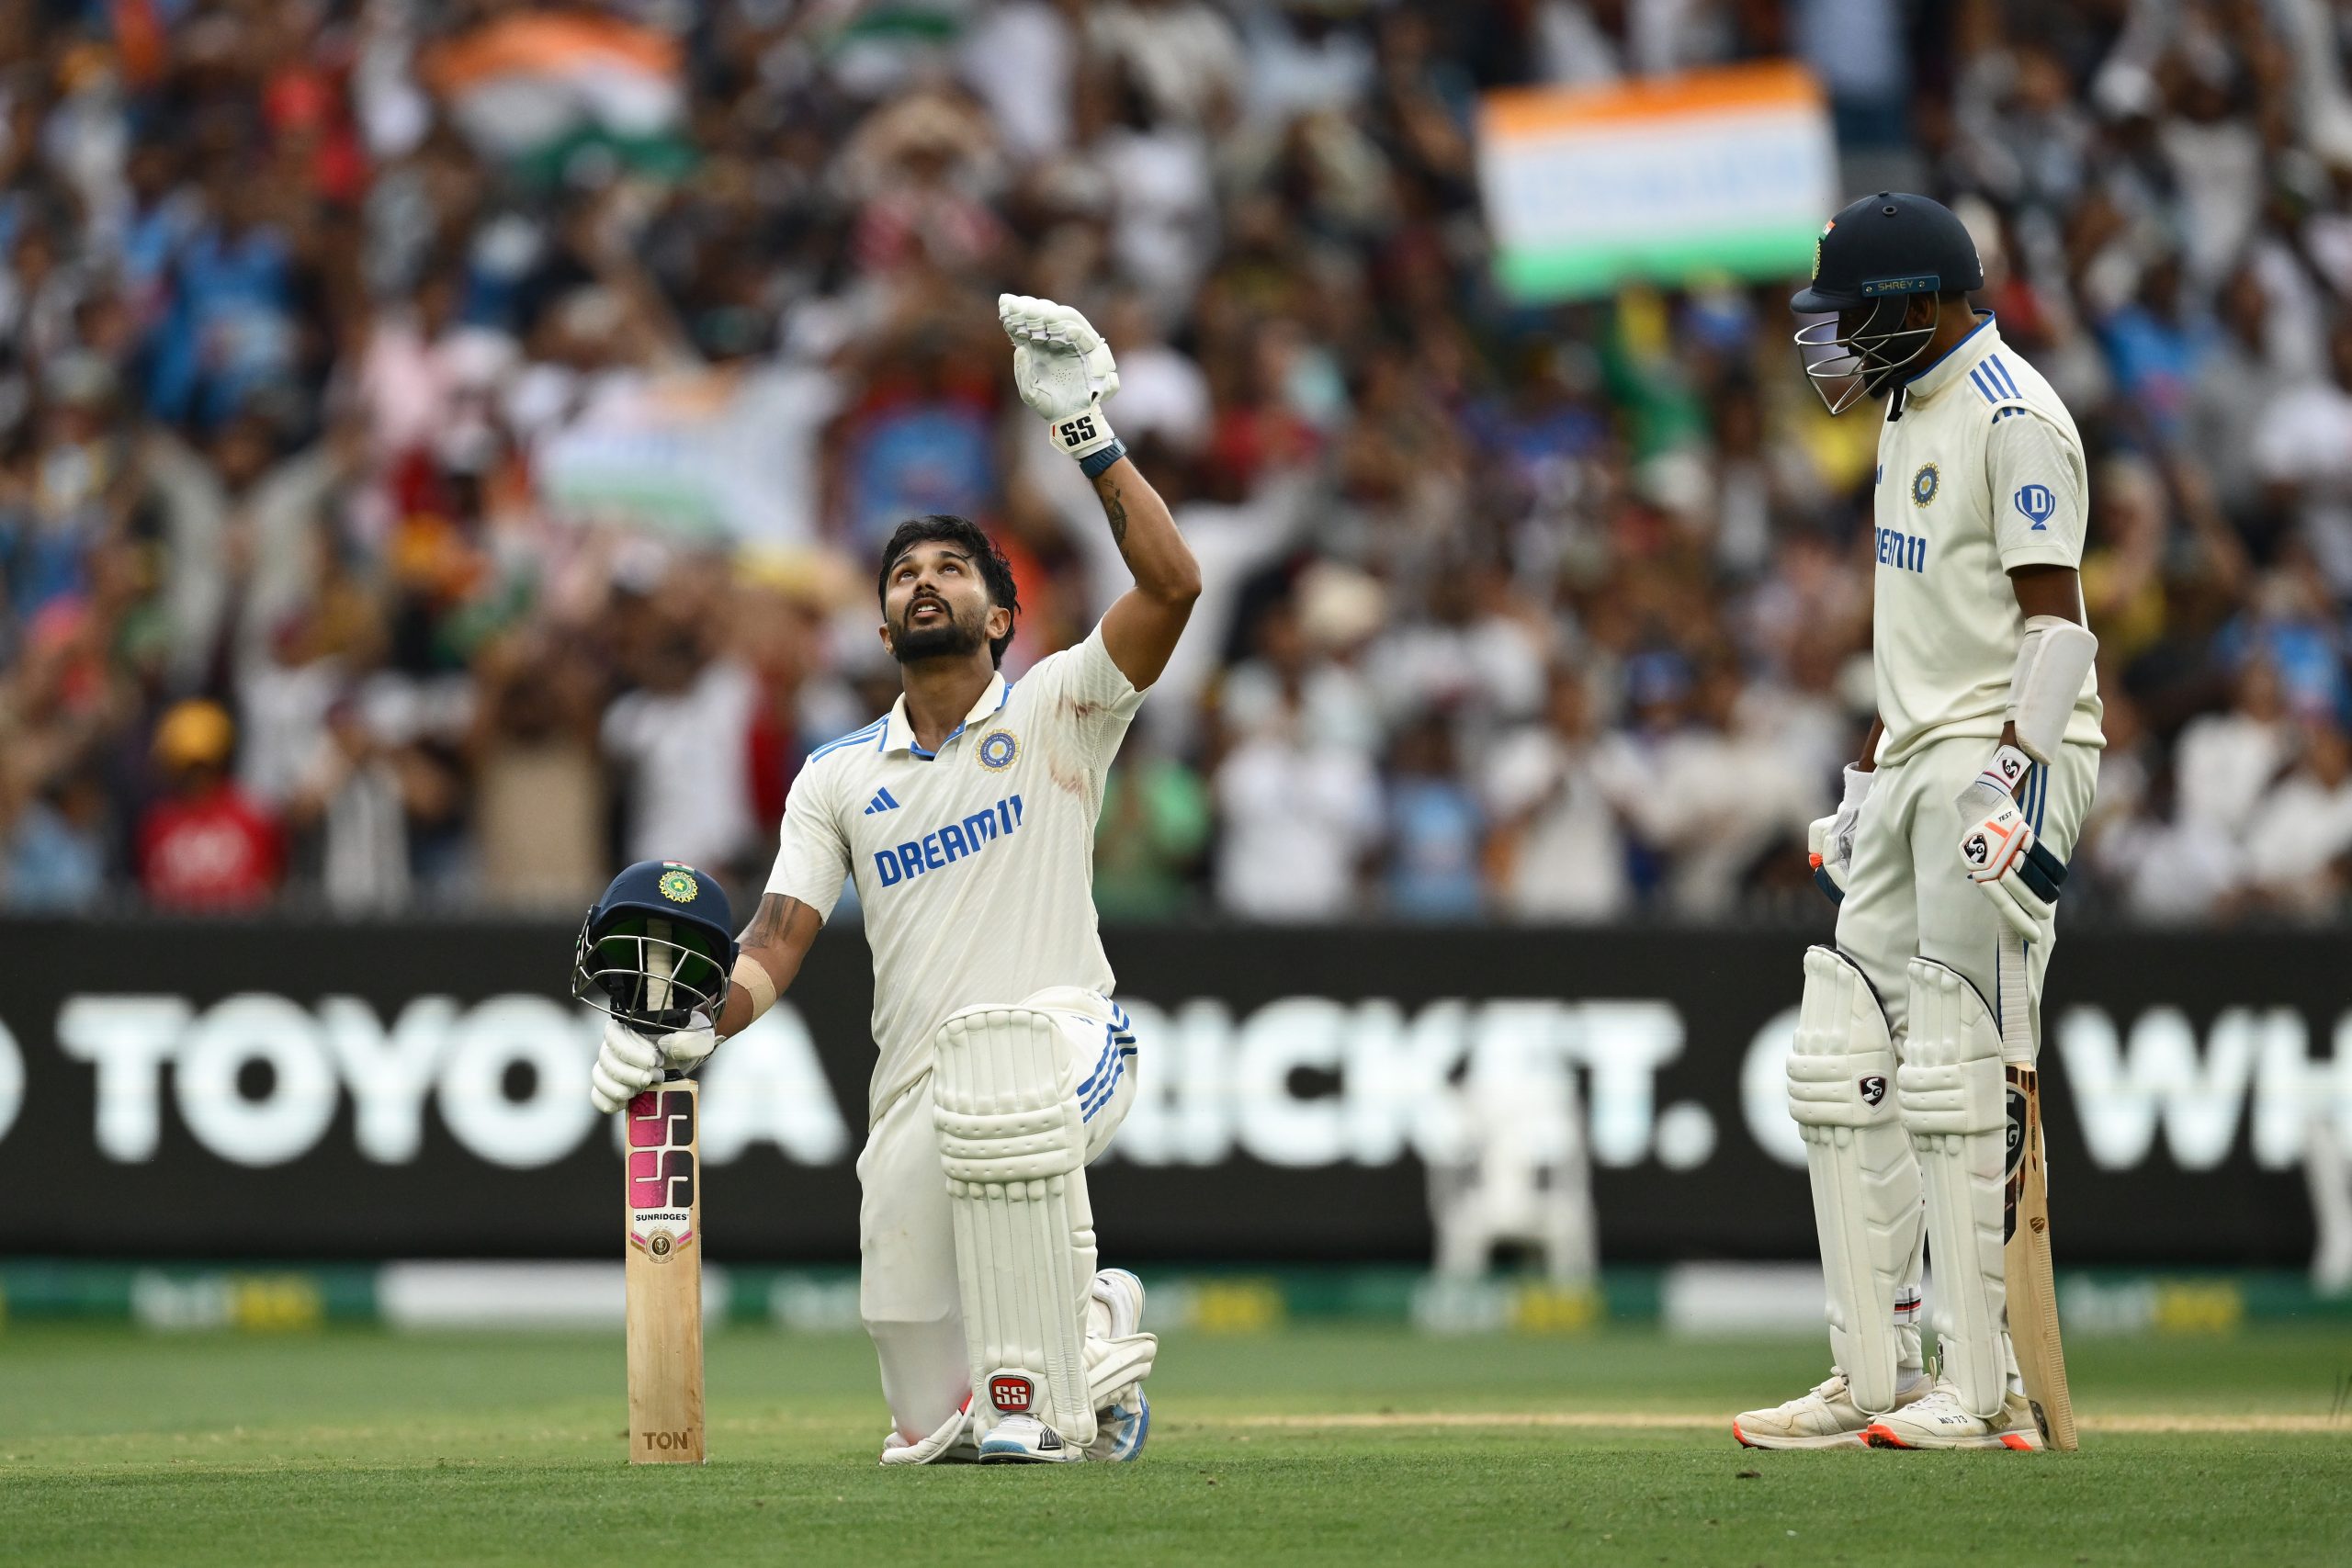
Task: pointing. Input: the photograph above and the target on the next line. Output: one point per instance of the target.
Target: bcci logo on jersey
(997, 750)
(1924, 484)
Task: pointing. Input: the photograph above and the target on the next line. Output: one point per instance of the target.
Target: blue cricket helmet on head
(657, 948)
(1873, 259)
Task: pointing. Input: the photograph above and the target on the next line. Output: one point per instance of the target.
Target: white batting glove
(627, 1063)
(1829, 842)
(1063, 369)
(2001, 853)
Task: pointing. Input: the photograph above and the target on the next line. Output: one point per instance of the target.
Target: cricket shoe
(1121, 1294)
(1121, 1426)
(952, 1444)
(1941, 1421)
(1826, 1419)
(1025, 1439)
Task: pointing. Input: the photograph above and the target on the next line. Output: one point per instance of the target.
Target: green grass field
(1309, 1446)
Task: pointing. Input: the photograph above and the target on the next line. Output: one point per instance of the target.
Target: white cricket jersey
(974, 865)
(1980, 472)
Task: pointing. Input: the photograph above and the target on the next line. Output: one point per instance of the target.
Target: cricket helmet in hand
(657, 948)
(1873, 259)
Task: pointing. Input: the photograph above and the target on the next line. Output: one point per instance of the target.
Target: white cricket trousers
(1906, 892)
(907, 1292)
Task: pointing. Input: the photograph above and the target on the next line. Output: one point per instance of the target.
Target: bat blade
(664, 1275)
(2032, 1282)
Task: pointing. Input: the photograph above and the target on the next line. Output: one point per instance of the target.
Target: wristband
(1097, 463)
(2006, 770)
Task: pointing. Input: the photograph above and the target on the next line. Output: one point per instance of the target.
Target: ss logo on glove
(1079, 432)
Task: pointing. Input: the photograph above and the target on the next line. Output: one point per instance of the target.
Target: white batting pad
(1012, 1141)
(1865, 1182)
(1955, 1107)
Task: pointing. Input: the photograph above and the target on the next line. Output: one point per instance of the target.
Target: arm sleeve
(2039, 492)
(812, 861)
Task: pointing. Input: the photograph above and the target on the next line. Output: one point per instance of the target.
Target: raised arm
(1141, 629)
(1064, 370)
(772, 946)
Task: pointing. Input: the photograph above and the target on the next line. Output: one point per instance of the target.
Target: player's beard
(947, 638)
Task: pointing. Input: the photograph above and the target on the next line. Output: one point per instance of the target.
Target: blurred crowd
(443, 445)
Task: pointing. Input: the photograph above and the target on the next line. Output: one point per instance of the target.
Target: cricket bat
(664, 1256)
(2032, 1283)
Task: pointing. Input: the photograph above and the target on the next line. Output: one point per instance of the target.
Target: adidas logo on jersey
(881, 802)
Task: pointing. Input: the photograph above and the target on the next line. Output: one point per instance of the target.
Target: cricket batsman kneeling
(1949, 848)
(966, 815)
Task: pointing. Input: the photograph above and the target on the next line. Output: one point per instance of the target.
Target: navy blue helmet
(657, 948)
(1871, 260)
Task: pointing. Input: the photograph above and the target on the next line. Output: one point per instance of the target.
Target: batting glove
(627, 1063)
(2000, 851)
(1829, 842)
(1064, 370)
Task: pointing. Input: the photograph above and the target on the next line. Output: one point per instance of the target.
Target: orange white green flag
(1726, 171)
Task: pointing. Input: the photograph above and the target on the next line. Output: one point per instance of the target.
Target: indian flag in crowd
(532, 86)
(1726, 172)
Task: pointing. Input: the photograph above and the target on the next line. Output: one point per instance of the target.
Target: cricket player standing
(966, 815)
(1950, 847)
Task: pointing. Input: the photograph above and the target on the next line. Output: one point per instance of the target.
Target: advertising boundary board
(313, 1091)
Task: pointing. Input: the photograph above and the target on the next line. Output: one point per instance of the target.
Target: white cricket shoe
(1122, 1426)
(1025, 1439)
(1828, 1417)
(1122, 1294)
(1941, 1421)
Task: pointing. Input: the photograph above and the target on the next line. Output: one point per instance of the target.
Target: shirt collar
(899, 731)
(1953, 362)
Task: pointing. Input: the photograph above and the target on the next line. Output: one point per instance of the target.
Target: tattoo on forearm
(769, 920)
(1116, 508)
